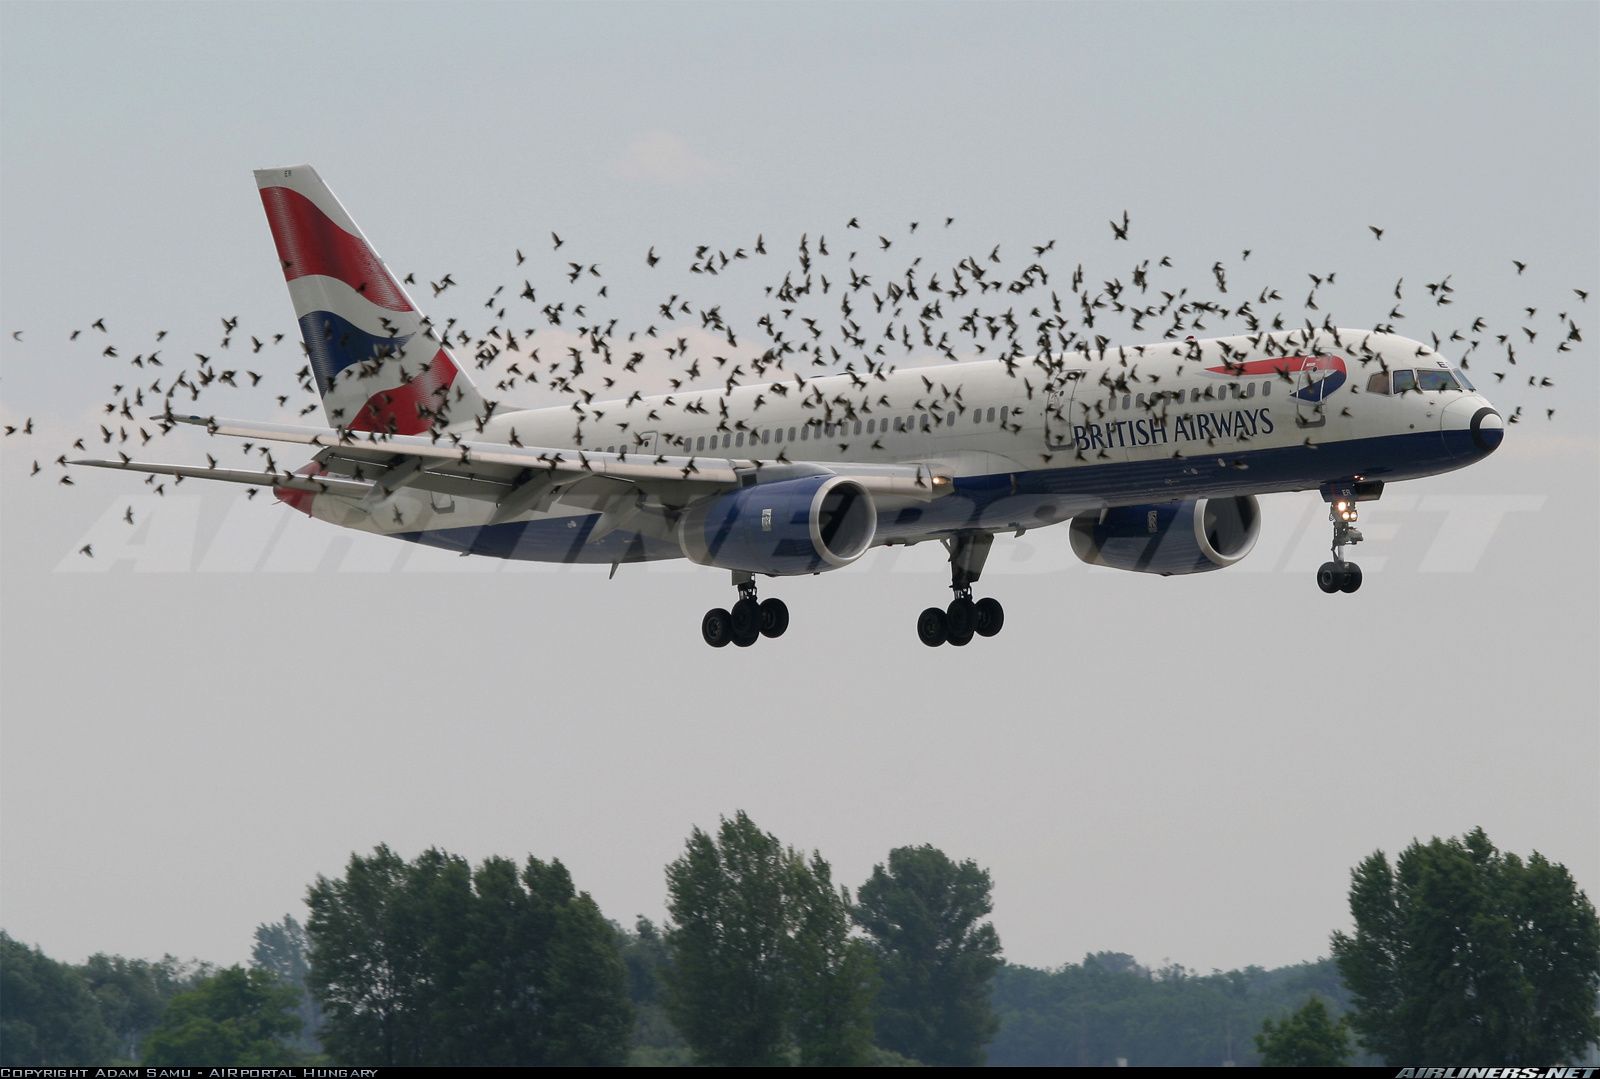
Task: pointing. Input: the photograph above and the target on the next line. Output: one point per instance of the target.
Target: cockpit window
(1461, 376)
(1436, 380)
(1404, 380)
(1378, 383)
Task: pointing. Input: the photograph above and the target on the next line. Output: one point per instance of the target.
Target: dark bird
(1120, 232)
(558, 241)
(1520, 266)
(1376, 231)
(87, 550)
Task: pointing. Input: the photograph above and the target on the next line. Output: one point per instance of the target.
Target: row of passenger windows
(1426, 379)
(806, 432)
(1226, 391)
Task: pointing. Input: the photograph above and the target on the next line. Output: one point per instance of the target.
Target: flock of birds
(828, 312)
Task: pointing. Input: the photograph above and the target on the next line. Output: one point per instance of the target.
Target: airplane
(1155, 455)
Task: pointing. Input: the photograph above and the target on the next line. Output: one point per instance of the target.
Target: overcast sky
(230, 698)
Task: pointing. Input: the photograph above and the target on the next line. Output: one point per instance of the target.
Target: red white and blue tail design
(376, 364)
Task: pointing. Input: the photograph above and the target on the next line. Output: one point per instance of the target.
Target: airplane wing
(514, 477)
(290, 480)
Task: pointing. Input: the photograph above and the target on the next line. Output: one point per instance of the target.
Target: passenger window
(791, 434)
(1266, 389)
(766, 436)
(1378, 383)
(738, 440)
(1404, 381)
(805, 433)
(925, 423)
(991, 415)
(1127, 400)
(1249, 389)
(858, 427)
(700, 443)
(727, 440)
(977, 415)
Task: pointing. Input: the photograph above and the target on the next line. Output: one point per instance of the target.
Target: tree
(281, 950)
(1464, 953)
(936, 956)
(234, 1018)
(433, 963)
(727, 989)
(133, 993)
(834, 976)
(48, 1015)
(1309, 1038)
(763, 969)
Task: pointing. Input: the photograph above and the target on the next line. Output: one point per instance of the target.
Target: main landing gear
(965, 616)
(1339, 575)
(749, 620)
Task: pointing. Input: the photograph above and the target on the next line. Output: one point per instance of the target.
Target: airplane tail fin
(377, 361)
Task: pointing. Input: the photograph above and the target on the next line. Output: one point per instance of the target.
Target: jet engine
(1193, 536)
(806, 525)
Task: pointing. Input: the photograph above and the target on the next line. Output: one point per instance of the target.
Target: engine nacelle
(804, 525)
(1174, 537)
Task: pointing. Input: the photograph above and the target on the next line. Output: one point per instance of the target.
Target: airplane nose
(1471, 428)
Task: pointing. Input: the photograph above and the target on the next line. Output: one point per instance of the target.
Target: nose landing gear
(1339, 575)
(749, 620)
(965, 617)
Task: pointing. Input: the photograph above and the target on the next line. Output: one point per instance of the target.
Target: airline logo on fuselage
(1322, 375)
(1240, 424)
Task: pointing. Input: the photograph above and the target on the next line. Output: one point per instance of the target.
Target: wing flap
(906, 480)
(288, 480)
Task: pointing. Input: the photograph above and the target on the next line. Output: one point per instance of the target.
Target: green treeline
(1109, 1008)
(766, 959)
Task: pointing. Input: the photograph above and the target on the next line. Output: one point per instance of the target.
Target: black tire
(1352, 578)
(717, 627)
(774, 617)
(746, 619)
(1329, 578)
(960, 621)
(990, 616)
(930, 627)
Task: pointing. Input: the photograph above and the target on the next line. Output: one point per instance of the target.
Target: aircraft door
(1308, 392)
(1058, 413)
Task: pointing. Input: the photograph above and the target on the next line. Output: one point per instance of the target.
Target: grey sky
(231, 698)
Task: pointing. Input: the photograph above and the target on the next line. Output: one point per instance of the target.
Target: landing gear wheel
(931, 628)
(774, 617)
(1352, 578)
(1329, 578)
(717, 628)
(746, 617)
(989, 616)
(960, 620)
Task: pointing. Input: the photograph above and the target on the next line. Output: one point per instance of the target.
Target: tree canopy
(1309, 1038)
(235, 1018)
(48, 1014)
(1466, 954)
(924, 915)
(431, 962)
(763, 969)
